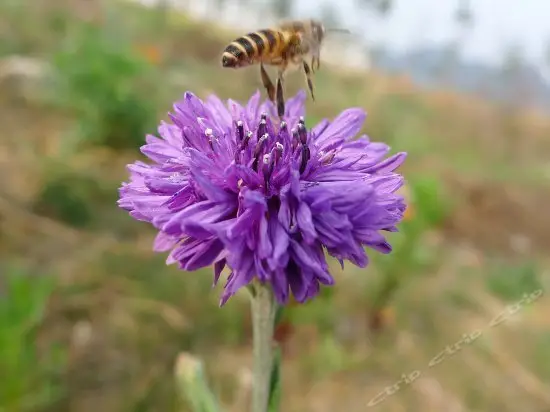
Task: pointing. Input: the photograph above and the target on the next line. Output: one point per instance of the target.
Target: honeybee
(285, 47)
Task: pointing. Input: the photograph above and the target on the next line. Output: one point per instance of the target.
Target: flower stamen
(209, 134)
(246, 139)
(305, 158)
(240, 131)
(302, 133)
(267, 169)
(295, 139)
(277, 152)
(262, 128)
(258, 149)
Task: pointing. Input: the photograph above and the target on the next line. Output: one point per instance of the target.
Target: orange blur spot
(409, 212)
(150, 52)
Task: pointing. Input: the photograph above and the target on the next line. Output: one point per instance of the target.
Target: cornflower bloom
(234, 186)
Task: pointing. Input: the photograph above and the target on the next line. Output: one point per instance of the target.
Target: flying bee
(285, 46)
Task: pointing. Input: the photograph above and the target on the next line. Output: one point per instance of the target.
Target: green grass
(33, 373)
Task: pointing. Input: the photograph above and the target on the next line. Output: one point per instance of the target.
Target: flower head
(229, 186)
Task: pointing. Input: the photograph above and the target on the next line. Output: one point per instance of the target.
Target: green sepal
(192, 385)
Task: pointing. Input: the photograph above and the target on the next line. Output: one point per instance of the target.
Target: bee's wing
(291, 25)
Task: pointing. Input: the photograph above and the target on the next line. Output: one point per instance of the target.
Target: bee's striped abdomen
(240, 52)
(259, 43)
(272, 38)
(231, 56)
(252, 48)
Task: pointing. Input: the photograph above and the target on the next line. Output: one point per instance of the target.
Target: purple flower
(231, 186)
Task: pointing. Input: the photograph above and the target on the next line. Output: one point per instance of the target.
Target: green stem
(263, 323)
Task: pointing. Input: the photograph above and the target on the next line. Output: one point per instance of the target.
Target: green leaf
(275, 383)
(278, 314)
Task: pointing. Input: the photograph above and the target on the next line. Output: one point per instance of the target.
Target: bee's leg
(315, 63)
(280, 97)
(268, 84)
(308, 78)
(313, 59)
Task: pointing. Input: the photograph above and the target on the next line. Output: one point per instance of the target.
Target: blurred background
(456, 319)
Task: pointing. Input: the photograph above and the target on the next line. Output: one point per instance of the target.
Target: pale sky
(497, 23)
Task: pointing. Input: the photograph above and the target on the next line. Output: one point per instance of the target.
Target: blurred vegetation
(96, 320)
(103, 81)
(413, 254)
(31, 370)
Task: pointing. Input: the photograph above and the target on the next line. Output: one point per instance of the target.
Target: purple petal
(265, 247)
(297, 282)
(210, 190)
(195, 254)
(388, 165)
(218, 268)
(305, 223)
(164, 242)
(252, 109)
(281, 286)
(344, 127)
(280, 242)
(221, 115)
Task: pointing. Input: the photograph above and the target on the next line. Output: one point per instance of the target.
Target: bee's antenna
(338, 30)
